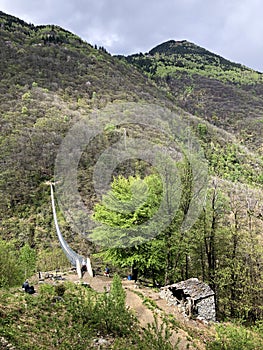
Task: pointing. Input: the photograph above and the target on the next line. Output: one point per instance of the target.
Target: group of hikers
(133, 276)
(84, 269)
(30, 289)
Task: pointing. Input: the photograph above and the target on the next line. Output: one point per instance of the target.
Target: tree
(125, 211)
(127, 208)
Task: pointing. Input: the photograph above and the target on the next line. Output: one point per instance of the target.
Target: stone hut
(192, 297)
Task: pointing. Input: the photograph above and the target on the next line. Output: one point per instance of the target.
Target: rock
(100, 341)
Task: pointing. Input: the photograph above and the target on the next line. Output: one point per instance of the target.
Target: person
(26, 286)
(107, 271)
(83, 268)
(135, 275)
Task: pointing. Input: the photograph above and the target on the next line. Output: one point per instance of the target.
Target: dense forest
(181, 195)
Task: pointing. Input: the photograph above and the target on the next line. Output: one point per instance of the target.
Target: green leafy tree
(124, 212)
(128, 205)
(127, 208)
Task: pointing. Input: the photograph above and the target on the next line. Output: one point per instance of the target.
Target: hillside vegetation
(226, 94)
(50, 80)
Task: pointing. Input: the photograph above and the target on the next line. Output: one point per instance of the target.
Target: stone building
(192, 297)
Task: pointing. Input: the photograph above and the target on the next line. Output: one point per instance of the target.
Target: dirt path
(192, 334)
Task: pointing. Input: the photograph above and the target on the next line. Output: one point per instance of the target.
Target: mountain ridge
(173, 45)
(90, 78)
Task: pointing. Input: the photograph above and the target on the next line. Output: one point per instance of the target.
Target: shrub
(60, 290)
(111, 310)
(46, 291)
(156, 336)
(233, 337)
(11, 273)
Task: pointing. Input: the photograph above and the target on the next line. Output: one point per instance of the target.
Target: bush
(51, 259)
(11, 273)
(111, 311)
(155, 337)
(46, 291)
(27, 260)
(233, 337)
(60, 290)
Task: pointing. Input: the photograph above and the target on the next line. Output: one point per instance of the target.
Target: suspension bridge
(74, 258)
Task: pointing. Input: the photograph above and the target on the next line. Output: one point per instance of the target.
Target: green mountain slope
(56, 59)
(224, 93)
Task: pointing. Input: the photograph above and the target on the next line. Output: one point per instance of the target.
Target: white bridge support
(78, 268)
(74, 258)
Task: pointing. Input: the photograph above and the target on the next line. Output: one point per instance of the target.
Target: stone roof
(193, 287)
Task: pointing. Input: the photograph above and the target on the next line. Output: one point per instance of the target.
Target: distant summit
(174, 47)
(185, 48)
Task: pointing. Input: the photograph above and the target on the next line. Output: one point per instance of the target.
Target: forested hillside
(50, 80)
(224, 93)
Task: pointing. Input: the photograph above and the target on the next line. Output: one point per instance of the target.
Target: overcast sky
(230, 28)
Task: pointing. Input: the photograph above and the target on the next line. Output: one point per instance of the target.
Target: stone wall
(206, 309)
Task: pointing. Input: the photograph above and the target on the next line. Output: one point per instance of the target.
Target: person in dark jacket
(107, 271)
(83, 269)
(26, 286)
